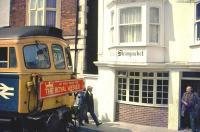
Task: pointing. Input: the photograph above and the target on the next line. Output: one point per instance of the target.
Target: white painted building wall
(179, 30)
(4, 13)
(175, 51)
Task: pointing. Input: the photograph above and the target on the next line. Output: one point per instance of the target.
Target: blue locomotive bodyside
(9, 88)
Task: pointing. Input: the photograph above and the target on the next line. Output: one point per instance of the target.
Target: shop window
(148, 74)
(43, 12)
(122, 89)
(130, 25)
(143, 87)
(147, 91)
(162, 92)
(58, 56)
(162, 74)
(36, 56)
(134, 74)
(134, 90)
(122, 84)
(154, 25)
(122, 73)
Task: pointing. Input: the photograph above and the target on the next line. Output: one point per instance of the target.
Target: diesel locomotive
(36, 83)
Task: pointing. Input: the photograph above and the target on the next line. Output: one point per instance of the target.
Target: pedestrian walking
(83, 108)
(90, 104)
(188, 108)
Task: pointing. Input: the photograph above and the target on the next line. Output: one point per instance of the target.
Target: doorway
(196, 88)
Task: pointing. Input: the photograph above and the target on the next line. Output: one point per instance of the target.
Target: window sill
(196, 45)
(143, 104)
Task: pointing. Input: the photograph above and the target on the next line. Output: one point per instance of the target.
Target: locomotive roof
(27, 31)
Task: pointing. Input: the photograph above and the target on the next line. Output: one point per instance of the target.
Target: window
(68, 57)
(12, 57)
(154, 26)
(130, 25)
(134, 90)
(112, 27)
(198, 22)
(58, 56)
(143, 87)
(4, 57)
(43, 12)
(147, 91)
(36, 56)
(122, 86)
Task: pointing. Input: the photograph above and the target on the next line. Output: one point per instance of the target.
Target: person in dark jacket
(90, 104)
(188, 108)
(83, 107)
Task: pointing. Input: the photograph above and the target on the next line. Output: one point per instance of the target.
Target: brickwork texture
(143, 115)
(68, 17)
(19, 14)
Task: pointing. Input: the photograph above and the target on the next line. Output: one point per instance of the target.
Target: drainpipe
(76, 39)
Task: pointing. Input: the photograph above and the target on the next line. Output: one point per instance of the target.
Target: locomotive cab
(35, 75)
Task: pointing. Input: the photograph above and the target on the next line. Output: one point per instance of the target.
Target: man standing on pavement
(90, 104)
(188, 108)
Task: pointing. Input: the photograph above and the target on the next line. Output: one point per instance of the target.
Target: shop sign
(130, 53)
(55, 88)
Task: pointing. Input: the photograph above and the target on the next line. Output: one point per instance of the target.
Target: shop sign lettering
(130, 53)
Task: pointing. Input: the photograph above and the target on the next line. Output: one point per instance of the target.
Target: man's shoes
(99, 123)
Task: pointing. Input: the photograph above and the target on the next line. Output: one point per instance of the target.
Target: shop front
(147, 94)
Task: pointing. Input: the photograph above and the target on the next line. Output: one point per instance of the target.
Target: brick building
(59, 13)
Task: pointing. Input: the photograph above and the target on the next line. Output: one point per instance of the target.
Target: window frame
(5, 62)
(197, 40)
(145, 7)
(49, 59)
(122, 76)
(8, 57)
(155, 77)
(155, 24)
(141, 23)
(52, 50)
(15, 57)
(45, 9)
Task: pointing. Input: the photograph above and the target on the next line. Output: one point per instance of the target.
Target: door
(196, 88)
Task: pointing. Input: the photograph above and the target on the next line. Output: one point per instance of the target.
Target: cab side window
(3, 57)
(4, 54)
(58, 56)
(36, 56)
(12, 57)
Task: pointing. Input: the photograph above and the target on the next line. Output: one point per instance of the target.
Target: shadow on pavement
(105, 127)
